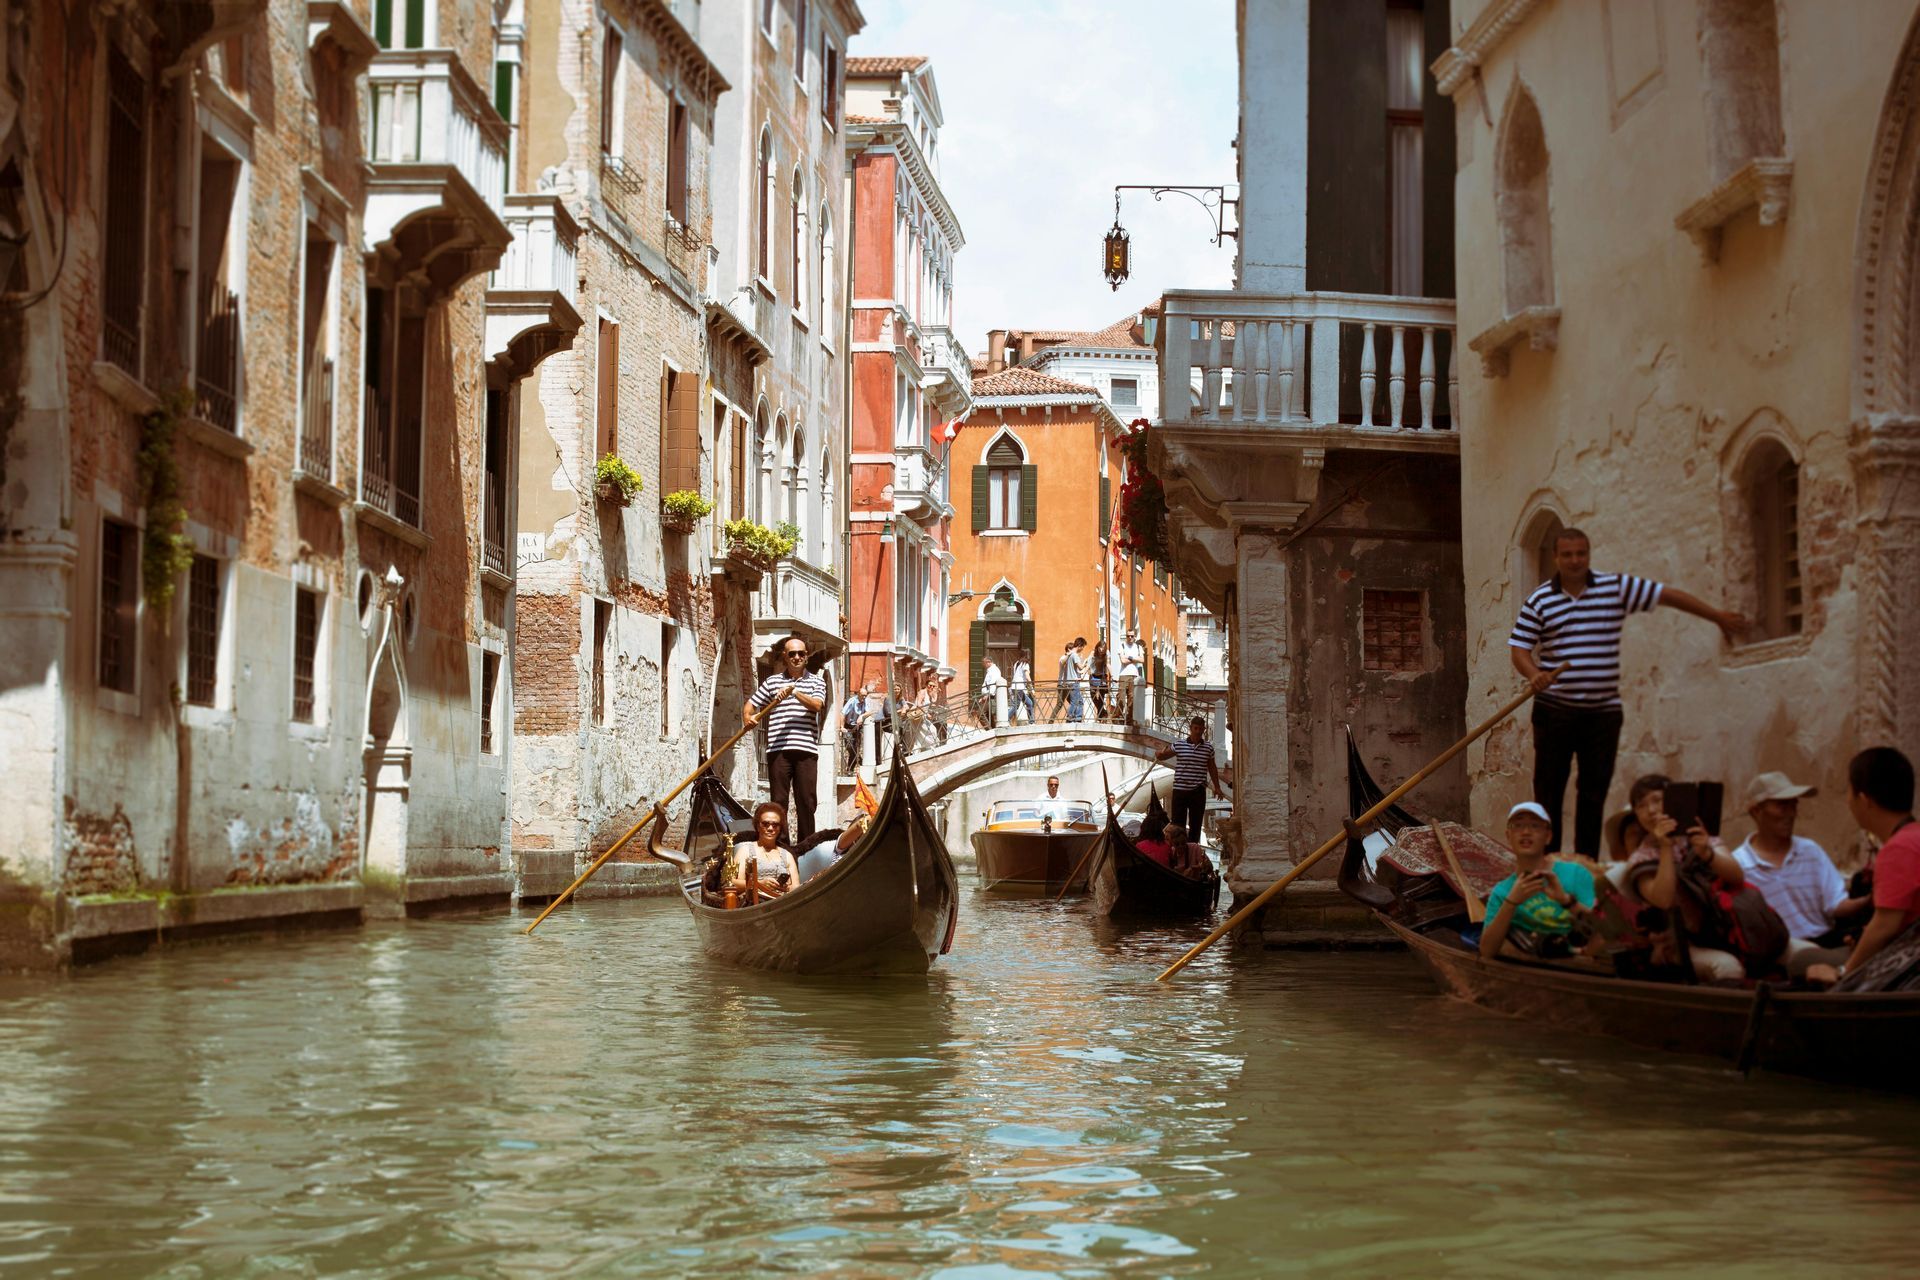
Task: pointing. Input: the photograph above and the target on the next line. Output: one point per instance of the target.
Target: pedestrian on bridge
(1133, 660)
(793, 735)
(1020, 693)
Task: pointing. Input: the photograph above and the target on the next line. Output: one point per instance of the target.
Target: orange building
(1036, 470)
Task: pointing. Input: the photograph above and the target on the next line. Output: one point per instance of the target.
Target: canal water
(449, 1098)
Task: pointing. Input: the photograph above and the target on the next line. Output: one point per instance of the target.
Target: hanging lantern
(1119, 253)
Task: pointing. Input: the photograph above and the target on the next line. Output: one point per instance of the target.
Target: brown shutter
(1029, 508)
(608, 368)
(680, 437)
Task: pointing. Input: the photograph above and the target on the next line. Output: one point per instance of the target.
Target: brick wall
(546, 669)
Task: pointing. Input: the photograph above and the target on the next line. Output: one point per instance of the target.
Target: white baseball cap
(1532, 808)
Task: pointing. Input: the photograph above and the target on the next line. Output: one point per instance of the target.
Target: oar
(1358, 823)
(659, 810)
(1476, 912)
(1101, 842)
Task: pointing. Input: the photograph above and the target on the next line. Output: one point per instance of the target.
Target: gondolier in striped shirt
(1194, 766)
(1574, 618)
(793, 734)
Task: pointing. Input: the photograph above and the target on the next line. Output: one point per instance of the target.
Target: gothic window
(1769, 481)
(1740, 56)
(826, 275)
(797, 242)
(1537, 547)
(1521, 205)
(764, 262)
(1003, 487)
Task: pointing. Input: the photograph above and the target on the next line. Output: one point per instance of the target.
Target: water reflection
(448, 1097)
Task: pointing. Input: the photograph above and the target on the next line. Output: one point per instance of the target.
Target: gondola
(1855, 1037)
(1127, 883)
(889, 904)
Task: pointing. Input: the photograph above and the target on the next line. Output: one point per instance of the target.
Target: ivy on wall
(166, 551)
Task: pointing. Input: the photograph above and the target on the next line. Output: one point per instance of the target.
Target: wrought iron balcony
(316, 421)
(217, 366)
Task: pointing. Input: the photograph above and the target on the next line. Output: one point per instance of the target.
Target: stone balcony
(949, 372)
(916, 484)
(438, 152)
(799, 597)
(530, 311)
(1256, 388)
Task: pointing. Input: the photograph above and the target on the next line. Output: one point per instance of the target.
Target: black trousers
(1562, 734)
(1189, 807)
(794, 774)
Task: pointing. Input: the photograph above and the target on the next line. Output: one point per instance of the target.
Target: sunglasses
(796, 653)
(770, 822)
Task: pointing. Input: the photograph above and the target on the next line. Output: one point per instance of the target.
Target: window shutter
(1106, 507)
(976, 655)
(1026, 640)
(1029, 481)
(1180, 684)
(979, 499)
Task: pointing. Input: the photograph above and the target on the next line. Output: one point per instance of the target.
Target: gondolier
(793, 734)
(1574, 618)
(1194, 768)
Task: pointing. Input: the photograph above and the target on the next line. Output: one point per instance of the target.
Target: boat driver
(1542, 907)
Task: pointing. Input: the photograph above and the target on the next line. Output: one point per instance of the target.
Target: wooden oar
(659, 810)
(1360, 822)
(1476, 911)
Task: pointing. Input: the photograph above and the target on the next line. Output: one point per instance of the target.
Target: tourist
(1075, 667)
(1098, 679)
(1574, 618)
(852, 713)
(1795, 875)
(1542, 907)
(1196, 765)
(1880, 797)
(991, 685)
(1152, 840)
(1053, 787)
(1064, 680)
(775, 870)
(1132, 659)
(793, 732)
(1021, 691)
(1657, 878)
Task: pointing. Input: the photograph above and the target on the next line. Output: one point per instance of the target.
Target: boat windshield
(1072, 811)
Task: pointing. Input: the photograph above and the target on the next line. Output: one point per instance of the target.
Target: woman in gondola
(1669, 908)
(776, 871)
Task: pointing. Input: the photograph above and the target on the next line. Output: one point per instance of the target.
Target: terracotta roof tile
(1022, 381)
(885, 66)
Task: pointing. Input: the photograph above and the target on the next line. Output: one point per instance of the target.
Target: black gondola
(1858, 1037)
(889, 904)
(1127, 883)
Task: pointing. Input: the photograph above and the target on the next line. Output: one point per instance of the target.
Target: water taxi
(1030, 847)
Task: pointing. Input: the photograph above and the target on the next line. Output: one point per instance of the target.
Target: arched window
(764, 263)
(1004, 464)
(1537, 548)
(780, 508)
(800, 497)
(762, 512)
(1740, 56)
(797, 248)
(826, 275)
(1521, 204)
(1769, 484)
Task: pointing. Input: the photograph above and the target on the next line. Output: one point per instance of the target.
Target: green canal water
(449, 1098)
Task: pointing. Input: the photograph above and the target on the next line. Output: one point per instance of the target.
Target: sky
(1048, 104)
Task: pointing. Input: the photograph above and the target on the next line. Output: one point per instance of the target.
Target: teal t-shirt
(1541, 914)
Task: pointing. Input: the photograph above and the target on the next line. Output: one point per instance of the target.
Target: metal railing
(493, 538)
(316, 422)
(390, 463)
(217, 369)
(621, 189)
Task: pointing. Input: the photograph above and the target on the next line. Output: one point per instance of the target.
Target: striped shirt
(1583, 632)
(1193, 763)
(792, 726)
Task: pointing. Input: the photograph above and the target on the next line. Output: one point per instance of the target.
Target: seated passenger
(1152, 840)
(1655, 879)
(1794, 874)
(1546, 903)
(1188, 857)
(776, 871)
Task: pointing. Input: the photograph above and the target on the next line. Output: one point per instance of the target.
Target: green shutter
(383, 23)
(1180, 684)
(1106, 507)
(416, 24)
(1029, 482)
(976, 655)
(979, 499)
(503, 90)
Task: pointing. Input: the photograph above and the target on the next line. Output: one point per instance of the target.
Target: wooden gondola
(889, 904)
(1127, 883)
(1857, 1037)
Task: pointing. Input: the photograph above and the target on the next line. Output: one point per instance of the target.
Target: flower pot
(608, 491)
(677, 524)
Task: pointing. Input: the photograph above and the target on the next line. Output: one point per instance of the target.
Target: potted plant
(754, 545)
(786, 536)
(615, 481)
(680, 509)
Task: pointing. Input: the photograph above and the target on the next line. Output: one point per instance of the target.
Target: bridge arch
(940, 771)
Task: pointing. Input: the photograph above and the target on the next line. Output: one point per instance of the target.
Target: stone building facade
(911, 380)
(257, 652)
(624, 606)
(1693, 227)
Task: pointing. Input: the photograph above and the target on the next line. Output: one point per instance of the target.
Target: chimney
(1026, 347)
(996, 350)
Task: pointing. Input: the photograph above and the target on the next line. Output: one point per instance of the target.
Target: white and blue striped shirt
(1193, 763)
(791, 726)
(1583, 632)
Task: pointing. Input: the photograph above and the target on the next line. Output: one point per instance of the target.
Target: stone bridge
(941, 769)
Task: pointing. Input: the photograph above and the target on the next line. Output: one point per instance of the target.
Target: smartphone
(1712, 796)
(1682, 803)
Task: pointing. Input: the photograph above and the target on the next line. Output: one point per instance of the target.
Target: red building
(911, 380)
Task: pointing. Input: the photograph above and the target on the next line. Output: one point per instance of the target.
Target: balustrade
(428, 110)
(1308, 358)
(541, 257)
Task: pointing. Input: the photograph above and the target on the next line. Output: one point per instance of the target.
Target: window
(1126, 393)
(800, 42)
(489, 684)
(493, 500)
(677, 146)
(1003, 484)
(316, 357)
(679, 431)
(797, 243)
(411, 21)
(762, 507)
(1770, 487)
(829, 83)
(124, 255)
(306, 650)
(669, 716)
(737, 472)
(602, 625)
(1391, 631)
(217, 342)
(1406, 128)
(1541, 548)
(610, 53)
(767, 8)
(608, 368)
(764, 262)
(203, 631)
(1521, 204)
(826, 275)
(119, 604)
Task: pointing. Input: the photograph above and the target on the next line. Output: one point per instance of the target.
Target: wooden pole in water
(1334, 841)
(659, 810)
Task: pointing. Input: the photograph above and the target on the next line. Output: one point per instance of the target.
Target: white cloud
(1048, 106)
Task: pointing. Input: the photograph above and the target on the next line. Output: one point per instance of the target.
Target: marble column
(1886, 457)
(1261, 680)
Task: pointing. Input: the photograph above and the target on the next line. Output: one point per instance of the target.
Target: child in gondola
(1542, 908)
